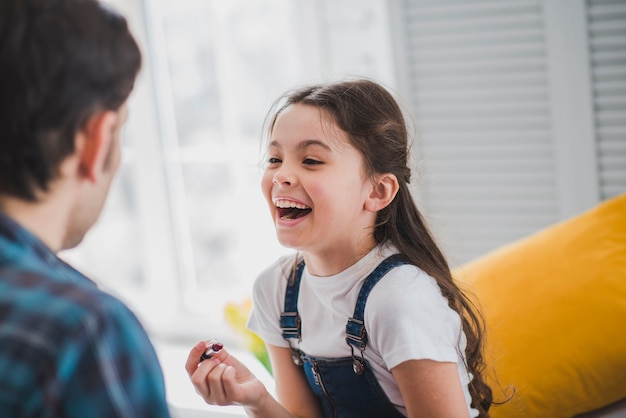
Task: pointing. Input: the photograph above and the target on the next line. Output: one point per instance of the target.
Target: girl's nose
(283, 177)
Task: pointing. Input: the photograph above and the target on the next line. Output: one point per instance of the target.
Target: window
(186, 229)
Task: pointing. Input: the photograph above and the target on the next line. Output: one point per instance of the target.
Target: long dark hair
(60, 62)
(374, 122)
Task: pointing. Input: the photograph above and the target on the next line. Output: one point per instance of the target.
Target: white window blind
(479, 90)
(607, 46)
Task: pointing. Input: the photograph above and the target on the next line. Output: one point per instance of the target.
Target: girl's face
(316, 187)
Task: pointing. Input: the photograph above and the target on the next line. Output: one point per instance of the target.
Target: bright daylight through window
(186, 229)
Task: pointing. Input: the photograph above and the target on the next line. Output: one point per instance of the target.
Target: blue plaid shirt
(67, 349)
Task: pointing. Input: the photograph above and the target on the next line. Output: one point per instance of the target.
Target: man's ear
(384, 190)
(94, 141)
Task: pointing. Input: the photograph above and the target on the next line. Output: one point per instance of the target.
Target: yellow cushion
(555, 307)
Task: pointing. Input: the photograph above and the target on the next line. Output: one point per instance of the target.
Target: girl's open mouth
(289, 210)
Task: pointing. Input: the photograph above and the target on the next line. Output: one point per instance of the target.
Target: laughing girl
(364, 320)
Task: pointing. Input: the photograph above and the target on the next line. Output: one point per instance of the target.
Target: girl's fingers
(199, 378)
(194, 356)
(217, 394)
(205, 378)
(229, 379)
(202, 351)
(215, 378)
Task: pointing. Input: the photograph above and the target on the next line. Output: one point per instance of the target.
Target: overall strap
(356, 335)
(290, 319)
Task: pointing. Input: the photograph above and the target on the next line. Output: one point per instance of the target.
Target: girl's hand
(223, 380)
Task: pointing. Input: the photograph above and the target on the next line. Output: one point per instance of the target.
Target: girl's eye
(311, 161)
(274, 160)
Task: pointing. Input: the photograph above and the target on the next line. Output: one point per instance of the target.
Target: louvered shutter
(479, 92)
(607, 46)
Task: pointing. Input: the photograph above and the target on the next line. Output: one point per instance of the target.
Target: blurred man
(67, 349)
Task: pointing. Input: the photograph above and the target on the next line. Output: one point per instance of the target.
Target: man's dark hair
(60, 62)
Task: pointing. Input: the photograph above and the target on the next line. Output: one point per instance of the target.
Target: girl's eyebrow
(304, 144)
(312, 142)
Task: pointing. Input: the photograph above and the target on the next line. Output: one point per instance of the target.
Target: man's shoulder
(57, 307)
(69, 335)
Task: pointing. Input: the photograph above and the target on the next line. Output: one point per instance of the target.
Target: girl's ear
(384, 190)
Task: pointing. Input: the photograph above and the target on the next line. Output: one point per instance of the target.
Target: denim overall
(346, 387)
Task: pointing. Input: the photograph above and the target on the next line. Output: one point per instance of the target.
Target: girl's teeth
(289, 205)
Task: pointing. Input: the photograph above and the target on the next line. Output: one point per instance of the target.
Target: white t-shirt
(406, 317)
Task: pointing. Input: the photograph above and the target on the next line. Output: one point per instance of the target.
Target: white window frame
(572, 106)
